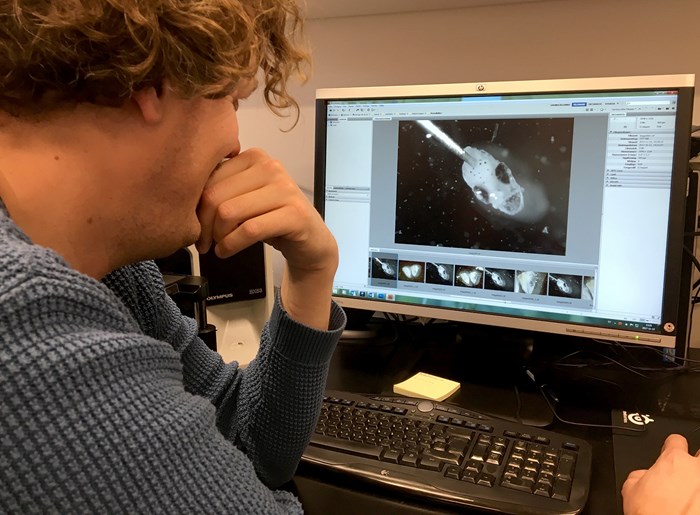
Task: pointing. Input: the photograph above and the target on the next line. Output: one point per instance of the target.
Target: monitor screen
(553, 206)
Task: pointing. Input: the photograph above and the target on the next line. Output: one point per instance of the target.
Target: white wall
(540, 40)
(552, 39)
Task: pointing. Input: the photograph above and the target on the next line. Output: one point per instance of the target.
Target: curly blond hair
(54, 53)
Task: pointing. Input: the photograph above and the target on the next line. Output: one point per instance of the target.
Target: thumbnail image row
(488, 278)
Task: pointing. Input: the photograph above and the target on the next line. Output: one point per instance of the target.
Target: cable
(678, 367)
(571, 354)
(542, 390)
(518, 404)
(611, 360)
(586, 424)
(692, 309)
(630, 369)
(694, 260)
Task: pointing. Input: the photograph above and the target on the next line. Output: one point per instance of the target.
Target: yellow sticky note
(427, 386)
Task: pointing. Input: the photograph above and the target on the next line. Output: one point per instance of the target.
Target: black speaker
(239, 277)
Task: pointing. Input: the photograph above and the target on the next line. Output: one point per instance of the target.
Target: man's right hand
(250, 198)
(670, 487)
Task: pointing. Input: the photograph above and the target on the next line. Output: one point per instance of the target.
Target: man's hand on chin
(251, 198)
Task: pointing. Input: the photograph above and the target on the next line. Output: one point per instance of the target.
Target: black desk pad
(633, 450)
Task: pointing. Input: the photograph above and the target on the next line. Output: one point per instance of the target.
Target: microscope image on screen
(588, 288)
(438, 273)
(562, 285)
(497, 184)
(413, 271)
(531, 283)
(499, 279)
(469, 276)
(383, 268)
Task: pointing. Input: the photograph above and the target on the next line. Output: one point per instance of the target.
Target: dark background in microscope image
(436, 207)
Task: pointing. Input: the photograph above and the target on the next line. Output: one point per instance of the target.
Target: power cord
(518, 405)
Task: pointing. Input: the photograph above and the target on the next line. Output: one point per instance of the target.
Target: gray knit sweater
(110, 403)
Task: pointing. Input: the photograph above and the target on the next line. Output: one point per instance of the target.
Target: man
(119, 144)
(670, 486)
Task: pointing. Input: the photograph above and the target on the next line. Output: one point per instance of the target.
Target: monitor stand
(488, 362)
(491, 364)
(361, 329)
(513, 403)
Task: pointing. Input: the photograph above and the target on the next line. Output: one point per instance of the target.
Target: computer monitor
(554, 206)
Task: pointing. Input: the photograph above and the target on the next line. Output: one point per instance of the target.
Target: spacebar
(347, 446)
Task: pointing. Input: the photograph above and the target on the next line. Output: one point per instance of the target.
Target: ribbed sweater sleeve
(109, 403)
(283, 383)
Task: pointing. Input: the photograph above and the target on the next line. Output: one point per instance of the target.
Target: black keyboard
(442, 452)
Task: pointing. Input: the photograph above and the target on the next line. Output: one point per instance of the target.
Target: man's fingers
(675, 442)
(636, 475)
(236, 164)
(266, 227)
(231, 213)
(632, 479)
(228, 182)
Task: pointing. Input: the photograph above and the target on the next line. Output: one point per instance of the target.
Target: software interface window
(553, 204)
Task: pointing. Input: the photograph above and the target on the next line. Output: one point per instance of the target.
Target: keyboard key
(474, 466)
(543, 489)
(470, 476)
(485, 479)
(458, 446)
(485, 439)
(494, 458)
(547, 468)
(409, 458)
(565, 469)
(430, 463)
(440, 446)
(518, 484)
(529, 475)
(561, 489)
(552, 452)
(442, 456)
(511, 471)
(452, 471)
(533, 465)
(355, 448)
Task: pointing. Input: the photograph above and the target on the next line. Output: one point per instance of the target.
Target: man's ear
(150, 104)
